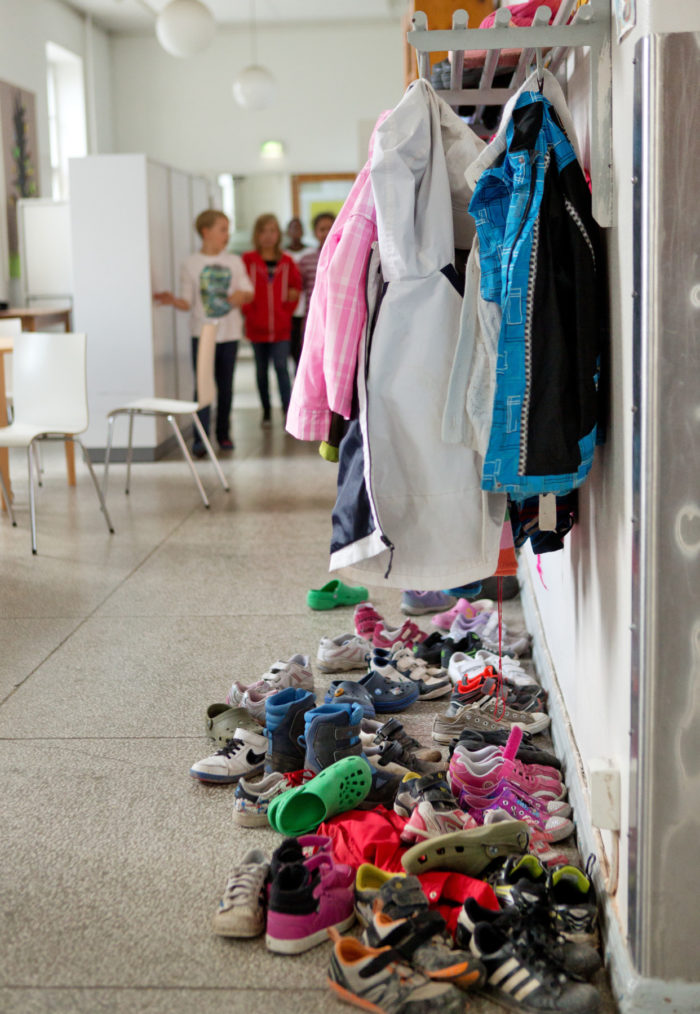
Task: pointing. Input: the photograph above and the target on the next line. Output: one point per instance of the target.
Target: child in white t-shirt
(214, 285)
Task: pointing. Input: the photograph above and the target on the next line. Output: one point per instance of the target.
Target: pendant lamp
(255, 87)
(185, 27)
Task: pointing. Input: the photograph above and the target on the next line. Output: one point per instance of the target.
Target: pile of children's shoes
(492, 814)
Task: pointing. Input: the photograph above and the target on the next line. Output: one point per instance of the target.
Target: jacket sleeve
(247, 308)
(337, 314)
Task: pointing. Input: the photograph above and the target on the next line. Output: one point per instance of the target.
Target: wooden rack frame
(589, 28)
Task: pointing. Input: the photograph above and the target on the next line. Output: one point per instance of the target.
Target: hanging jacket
(542, 264)
(325, 379)
(269, 317)
(410, 509)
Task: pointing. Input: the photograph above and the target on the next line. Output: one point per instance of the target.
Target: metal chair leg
(36, 458)
(108, 452)
(32, 507)
(210, 450)
(188, 459)
(129, 451)
(8, 501)
(91, 470)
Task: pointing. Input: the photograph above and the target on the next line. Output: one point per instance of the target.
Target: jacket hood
(420, 154)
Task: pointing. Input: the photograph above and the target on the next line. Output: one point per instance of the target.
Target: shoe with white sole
(520, 977)
(339, 654)
(427, 821)
(509, 668)
(294, 672)
(252, 799)
(241, 911)
(378, 980)
(487, 715)
(242, 755)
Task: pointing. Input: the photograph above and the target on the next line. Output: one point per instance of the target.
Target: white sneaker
(241, 911)
(338, 654)
(462, 665)
(511, 671)
(242, 755)
(514, 642)
(252, 799)
(296, 672)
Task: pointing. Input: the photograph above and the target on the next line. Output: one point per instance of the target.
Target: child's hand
(164, 298)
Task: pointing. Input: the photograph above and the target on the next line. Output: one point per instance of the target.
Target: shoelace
(294, 778)
(232, 746)
(243, 882)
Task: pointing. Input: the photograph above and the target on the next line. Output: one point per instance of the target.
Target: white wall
(586, 606)
(27, 25)
(329, 76)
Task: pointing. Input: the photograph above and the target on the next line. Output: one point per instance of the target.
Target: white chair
(172, 407)
(50, 403)
(10, 327)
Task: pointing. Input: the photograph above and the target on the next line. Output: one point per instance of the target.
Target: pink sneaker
(306, 899)
(461, 608)
(408, 634)
(485, 776)
(366, 619)
(427, 821)
(539, 844)
(507, 799)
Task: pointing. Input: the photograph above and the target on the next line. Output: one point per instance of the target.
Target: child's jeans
(278, 352)
(224, 367)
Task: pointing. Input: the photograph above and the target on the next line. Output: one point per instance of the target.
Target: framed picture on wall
(20, 158)
(316, 192)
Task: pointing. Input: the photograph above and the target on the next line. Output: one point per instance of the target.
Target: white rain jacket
(410, 508)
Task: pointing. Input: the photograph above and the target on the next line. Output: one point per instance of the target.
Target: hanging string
(500, 692)
(539, 571)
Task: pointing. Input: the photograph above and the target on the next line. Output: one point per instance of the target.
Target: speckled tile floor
(113, 859)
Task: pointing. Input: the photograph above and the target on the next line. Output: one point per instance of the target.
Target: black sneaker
(520, 974)
(510, 589)
(432, 787)
(578, 961)
(469, 645)
(430, 649)
(474, 740)
(573, 904)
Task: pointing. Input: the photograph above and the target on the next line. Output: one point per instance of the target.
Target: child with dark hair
(308, 264)
(277, 284)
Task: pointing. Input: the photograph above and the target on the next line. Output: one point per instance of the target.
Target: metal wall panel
(665, 820)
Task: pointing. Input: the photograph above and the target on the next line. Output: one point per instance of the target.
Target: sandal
(348, 690)
(335, 593)
(389, 695)
(337, 788)
(468, 851)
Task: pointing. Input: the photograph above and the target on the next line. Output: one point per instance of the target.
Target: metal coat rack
(590, 27)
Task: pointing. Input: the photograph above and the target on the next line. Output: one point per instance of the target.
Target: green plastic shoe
(335, 593)
(337, 788)
(468, 851)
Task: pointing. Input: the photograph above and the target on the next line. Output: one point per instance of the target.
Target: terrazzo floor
(113, 858)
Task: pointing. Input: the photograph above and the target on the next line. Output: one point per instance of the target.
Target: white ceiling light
(185, 27)
(255, 87)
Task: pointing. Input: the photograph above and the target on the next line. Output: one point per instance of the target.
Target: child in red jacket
(268, 317)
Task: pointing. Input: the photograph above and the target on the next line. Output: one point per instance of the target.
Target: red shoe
(407, 634)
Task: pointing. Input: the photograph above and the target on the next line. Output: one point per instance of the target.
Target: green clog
(335, 593)
(339, 787)
(468, 851)
(222, 721)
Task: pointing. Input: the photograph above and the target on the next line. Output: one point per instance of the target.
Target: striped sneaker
(519, 975)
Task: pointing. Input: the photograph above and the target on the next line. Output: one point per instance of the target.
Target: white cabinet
(131, 227)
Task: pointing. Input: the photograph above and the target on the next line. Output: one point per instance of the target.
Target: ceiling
(139, 15)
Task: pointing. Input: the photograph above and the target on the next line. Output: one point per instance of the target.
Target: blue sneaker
(331, 732)
(284, 727)
(416, 603)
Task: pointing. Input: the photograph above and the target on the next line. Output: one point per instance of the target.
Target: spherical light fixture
(185, 27)
(254, 88)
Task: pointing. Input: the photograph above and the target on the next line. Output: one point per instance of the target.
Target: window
(66, 104)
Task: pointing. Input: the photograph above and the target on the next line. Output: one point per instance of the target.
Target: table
(33, 319)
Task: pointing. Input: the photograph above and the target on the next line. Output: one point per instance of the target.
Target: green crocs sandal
(335, 593)
(339, 787)
(468, 851)
(222, 721)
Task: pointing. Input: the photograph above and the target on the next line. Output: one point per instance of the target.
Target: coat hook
(540, 69)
